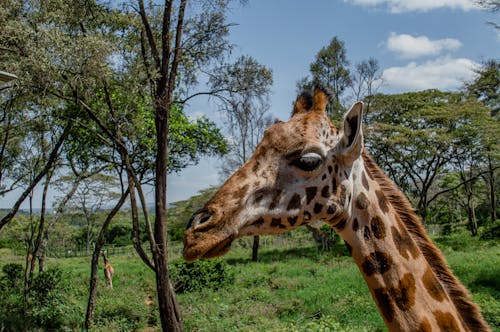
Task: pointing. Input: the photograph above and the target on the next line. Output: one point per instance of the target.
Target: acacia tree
(244, 93)
(330, 69)
(416, 136)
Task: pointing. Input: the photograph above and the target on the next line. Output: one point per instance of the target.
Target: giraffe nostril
(198, 219)
(204, 219)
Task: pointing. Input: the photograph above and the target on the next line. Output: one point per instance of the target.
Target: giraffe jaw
(207, 248)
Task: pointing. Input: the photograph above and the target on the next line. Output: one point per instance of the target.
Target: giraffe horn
(303, 103)
(320, 98)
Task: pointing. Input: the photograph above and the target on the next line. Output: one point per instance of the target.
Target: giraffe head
(298, 173)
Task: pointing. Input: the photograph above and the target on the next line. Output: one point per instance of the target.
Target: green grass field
(289, 289)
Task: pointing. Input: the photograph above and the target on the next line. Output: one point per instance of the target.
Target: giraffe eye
(308, 162)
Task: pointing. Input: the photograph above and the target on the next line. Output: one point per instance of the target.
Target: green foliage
(330, 69)
(491, 231)
(47, 308)
(486, 86)
(418, 136)
(190, 139)
(202, 274)
(119, 234)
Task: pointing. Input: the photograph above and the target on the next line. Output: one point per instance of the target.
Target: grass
(294, 289)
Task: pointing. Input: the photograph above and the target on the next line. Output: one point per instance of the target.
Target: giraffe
(108, 270)
(306, 169)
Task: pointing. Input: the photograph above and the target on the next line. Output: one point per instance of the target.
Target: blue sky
(420, 44)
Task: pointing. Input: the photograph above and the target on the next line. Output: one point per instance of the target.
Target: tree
(486, 87)
(245, 87)
(140, 64)
(365, 82)
(416, 136)
(330, 69)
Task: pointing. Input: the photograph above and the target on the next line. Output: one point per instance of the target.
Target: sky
(419, 44)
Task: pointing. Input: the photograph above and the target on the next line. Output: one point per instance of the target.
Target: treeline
(97, 113)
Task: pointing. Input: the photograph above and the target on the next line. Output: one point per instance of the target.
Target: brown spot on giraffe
(276, 199)
(424, 326)
(378, 227)
(259, 222)
(376, 262)
(382, 201)
(446, 321)
(404, 295)
(325, 192)
(385, 303)
(355, 225)
(332, 208)
(433, 286)
(366, 233)
(340, 225)
(318, 208)
(292, 220)
(294, 202)
(276, 222)
(310, 194)
(362, 202)
(404, 243)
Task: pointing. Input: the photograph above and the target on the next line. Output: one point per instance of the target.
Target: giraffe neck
(406, 274)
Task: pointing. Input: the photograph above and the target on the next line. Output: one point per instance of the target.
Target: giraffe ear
(303, 103)
(352, 139)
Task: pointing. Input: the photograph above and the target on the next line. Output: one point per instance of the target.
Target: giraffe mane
(469, 311)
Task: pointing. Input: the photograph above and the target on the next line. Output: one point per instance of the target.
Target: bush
(492, 231)
(189, 277)
(47, 308)
(119, 235)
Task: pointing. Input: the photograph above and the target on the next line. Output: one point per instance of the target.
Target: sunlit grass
(288, 289)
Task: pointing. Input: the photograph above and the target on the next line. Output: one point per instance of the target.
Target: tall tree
(245, 87)
(486, 87)
(366, 79)
(330, 69)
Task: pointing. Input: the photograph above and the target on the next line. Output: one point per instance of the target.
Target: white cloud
(400, 6)
(413, 47)
(443, 73)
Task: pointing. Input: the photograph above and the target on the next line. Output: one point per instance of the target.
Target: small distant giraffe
(306, 169)
(108, 270)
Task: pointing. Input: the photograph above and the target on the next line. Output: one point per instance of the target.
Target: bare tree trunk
(40, 231)
(89, 316)
(166, 61)
(255, 248)
(491, 185)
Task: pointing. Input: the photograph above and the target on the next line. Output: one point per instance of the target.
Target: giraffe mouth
(206, 248)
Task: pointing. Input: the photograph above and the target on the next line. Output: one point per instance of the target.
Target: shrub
(119, 235)
(47, 308)
(189, 277)
(492, 231)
